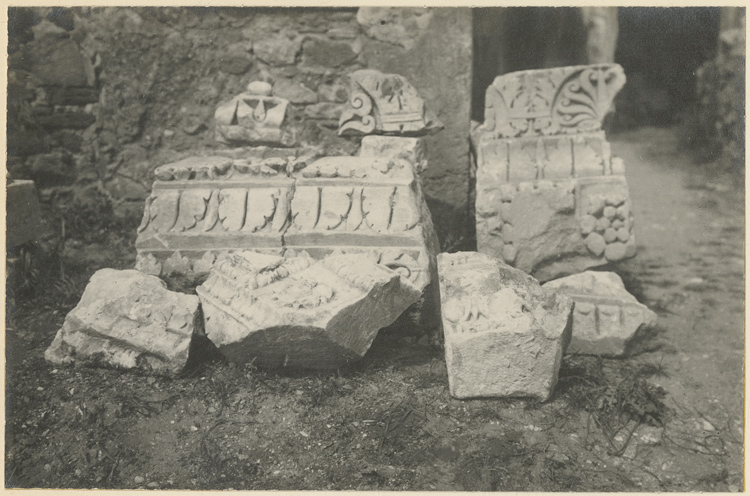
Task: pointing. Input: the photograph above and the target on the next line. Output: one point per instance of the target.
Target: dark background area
(659, 48)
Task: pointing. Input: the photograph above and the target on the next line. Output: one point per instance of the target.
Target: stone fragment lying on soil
(127, 319)
(294, 311)
(504, 334)
(606, 316)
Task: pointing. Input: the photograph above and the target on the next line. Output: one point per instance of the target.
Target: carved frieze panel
(546, 102)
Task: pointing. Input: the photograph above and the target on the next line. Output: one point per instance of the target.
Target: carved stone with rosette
(551, 199)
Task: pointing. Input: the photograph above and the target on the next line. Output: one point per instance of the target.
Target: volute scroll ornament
(385, 104)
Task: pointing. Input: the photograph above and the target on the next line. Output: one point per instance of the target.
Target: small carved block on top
(385, 104)
(254, 117)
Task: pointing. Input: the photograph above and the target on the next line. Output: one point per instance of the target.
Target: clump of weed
(617, 397)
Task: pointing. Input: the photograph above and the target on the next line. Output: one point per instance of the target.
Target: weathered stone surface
(211, 205)
(327, 53)
(61, 64)
(397, 25)
(504, 334)
(23, 214)
(544, 102)
(278, 50)
(254, 118)
(606, 316)
(127, 319)
(235, 64)
(547, 187)
(411, 149)
(294, 92)
(364, 204)
(324, 110)
(385, 104)
(66, 120)
(274, 311)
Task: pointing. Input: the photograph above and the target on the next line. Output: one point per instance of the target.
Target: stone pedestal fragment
(550, 198)
(127, 319)
(364, 205)
(274, 311)
(606, 316)
(254, 118)
(23, 213)
(203, 206)
(504, 334)
(385, 104)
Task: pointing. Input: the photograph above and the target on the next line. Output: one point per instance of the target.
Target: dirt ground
(667, 418)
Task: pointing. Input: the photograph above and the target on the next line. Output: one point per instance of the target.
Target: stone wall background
(99, 97)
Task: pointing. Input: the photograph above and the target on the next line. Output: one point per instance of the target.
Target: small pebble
(733, 489)
(47, 467)
(40, 388)
(152, 485)
(193, 428)
(139, 480)
(78, 472)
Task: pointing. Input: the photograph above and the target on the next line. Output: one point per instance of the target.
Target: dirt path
(388, 422)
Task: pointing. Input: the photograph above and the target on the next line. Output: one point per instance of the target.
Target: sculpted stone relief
(254, 117)
(543, 165)
(385, 104)
(295, 311)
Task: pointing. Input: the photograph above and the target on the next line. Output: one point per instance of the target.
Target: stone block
(127, 319)
(23, 214)
(278, 50)
(385, 104)
(540, 167)
(275, 312)
(202, 206)
(544, 102)
(367, 204)
(254, 117)
(411, 149)
(294, 92)
(606, 316)
(66, 120)
(551, 229)
(395, 25)
(319, 50)
(504, 334)
(61, 64)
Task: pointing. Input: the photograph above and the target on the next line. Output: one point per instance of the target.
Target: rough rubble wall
(99, 97)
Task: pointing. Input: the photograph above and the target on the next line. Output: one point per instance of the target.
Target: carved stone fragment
(294, 311)
(361, 204)
(412, 150)
(202, 206)
(385, 104)
(127, 319)
(545, 102)
(504, 334)
(254, 117)
(548, 190)
(606, 316)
